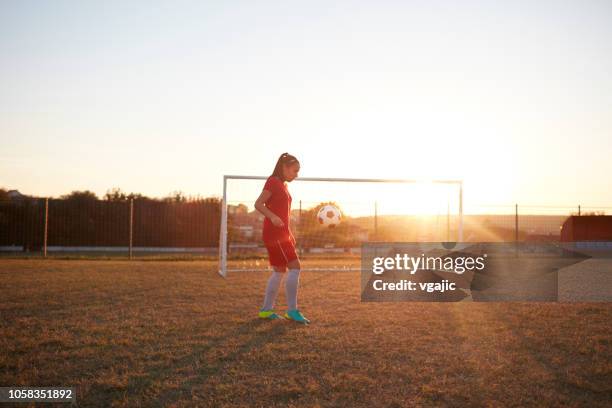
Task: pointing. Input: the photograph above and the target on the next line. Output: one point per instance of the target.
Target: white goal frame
(223, 231)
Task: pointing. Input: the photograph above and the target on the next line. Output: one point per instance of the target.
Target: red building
(587, 228)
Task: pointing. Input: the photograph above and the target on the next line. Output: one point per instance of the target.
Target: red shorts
(281, 253)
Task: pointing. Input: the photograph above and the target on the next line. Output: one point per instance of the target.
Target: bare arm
(260, 205)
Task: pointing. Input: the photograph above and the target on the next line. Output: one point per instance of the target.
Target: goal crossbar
(355, 180)
(223, 231)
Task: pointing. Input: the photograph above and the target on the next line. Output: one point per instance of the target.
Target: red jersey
(280, 204)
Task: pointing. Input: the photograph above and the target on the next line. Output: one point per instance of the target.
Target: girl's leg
(272, 287)
(291, 284)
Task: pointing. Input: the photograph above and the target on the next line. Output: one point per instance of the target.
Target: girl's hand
(276, 221)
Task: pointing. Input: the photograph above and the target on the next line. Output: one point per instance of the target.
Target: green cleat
(297, 316)
(269, 314)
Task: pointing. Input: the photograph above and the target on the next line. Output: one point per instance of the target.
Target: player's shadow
(208, 367)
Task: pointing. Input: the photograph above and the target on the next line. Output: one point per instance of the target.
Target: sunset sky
(154, 97)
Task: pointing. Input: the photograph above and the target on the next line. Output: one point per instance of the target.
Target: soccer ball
(329, 216)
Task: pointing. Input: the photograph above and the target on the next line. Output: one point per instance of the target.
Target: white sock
(274, 282)
(291, 288)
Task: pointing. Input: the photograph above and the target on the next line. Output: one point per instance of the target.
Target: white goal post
(256, 188)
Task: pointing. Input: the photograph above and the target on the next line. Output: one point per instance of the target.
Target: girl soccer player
(274, 203)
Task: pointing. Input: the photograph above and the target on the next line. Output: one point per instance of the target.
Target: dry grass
(176, 334)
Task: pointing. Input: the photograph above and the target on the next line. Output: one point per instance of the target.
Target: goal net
(357, 211)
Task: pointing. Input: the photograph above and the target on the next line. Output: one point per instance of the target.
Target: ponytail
(283, 160)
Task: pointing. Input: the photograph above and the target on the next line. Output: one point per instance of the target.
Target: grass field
(161, 333)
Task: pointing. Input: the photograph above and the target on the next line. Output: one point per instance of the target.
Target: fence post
(300, 231)
(579, 210)
(516, 228)
(131, 224)
(46, 227)
(460, 234)
(447, 221)
(376, 220)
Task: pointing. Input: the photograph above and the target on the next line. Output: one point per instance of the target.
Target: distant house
(15, 195)
(237, 209)
(587, 228)
(246, 231)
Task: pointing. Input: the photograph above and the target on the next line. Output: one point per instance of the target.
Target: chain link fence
(60, 227)
(153, 228)
(512, 223)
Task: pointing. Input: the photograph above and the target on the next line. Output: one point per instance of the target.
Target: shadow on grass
(596, 388)
(149, 389)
